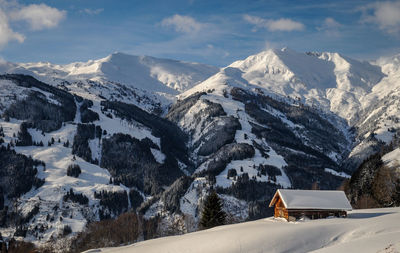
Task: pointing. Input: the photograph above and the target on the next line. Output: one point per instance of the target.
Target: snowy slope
(372, 230)
(328, 80)
(392, 160)
(143, 72)
(379, 118)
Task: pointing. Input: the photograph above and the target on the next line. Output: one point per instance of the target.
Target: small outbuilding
(313, 204)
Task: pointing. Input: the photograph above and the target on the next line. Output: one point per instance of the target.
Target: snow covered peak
(327, 70)
(328, 80)
(286, 66)
(143, 72)
(146, 71)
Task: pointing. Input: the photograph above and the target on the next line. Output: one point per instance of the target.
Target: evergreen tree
(212, 214)
(66, 144)
(396, 195)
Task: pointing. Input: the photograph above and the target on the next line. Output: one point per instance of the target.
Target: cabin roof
(312, 199)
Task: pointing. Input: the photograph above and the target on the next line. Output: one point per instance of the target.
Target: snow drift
(370, 230)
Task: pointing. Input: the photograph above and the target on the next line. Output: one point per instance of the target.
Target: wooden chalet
(295, 204)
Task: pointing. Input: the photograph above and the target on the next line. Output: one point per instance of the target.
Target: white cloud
(39, 16)
(183, 24)
(331, 27)
(384, 14)
(331, 23)
(92, 12)
(6, 33)
(282, 24)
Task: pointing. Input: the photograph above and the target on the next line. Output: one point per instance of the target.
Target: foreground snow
(372, 230)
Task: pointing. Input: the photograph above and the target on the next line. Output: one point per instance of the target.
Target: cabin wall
(280, 211)
(294, 214)
(316, 214)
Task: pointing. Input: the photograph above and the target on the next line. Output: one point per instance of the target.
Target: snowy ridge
(143, 72)
(328, 80)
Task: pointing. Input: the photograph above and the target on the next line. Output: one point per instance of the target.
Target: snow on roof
(311, 199)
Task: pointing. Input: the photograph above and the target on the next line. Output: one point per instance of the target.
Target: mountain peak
(329, 80)
(143, 72)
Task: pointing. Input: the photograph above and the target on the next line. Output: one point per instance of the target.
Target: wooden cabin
(295, 204)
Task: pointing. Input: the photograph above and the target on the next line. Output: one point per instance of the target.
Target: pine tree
(396, 195)
(212, 214)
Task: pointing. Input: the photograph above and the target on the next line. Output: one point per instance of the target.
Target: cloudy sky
(215, 32)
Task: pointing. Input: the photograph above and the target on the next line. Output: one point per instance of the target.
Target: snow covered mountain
(155, 135)
(142, 72)
(364, 94)
(328, 80)
(379, 118)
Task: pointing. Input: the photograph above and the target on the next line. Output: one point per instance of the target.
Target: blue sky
(213, 32)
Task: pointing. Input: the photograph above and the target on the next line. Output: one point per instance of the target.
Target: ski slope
(368, 230)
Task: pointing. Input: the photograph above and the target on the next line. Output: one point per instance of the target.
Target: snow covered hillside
(59, 170)
(373, 230)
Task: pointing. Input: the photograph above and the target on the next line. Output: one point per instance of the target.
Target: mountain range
(91, 140)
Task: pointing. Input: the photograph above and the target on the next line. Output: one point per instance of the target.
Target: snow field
(369, 230)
